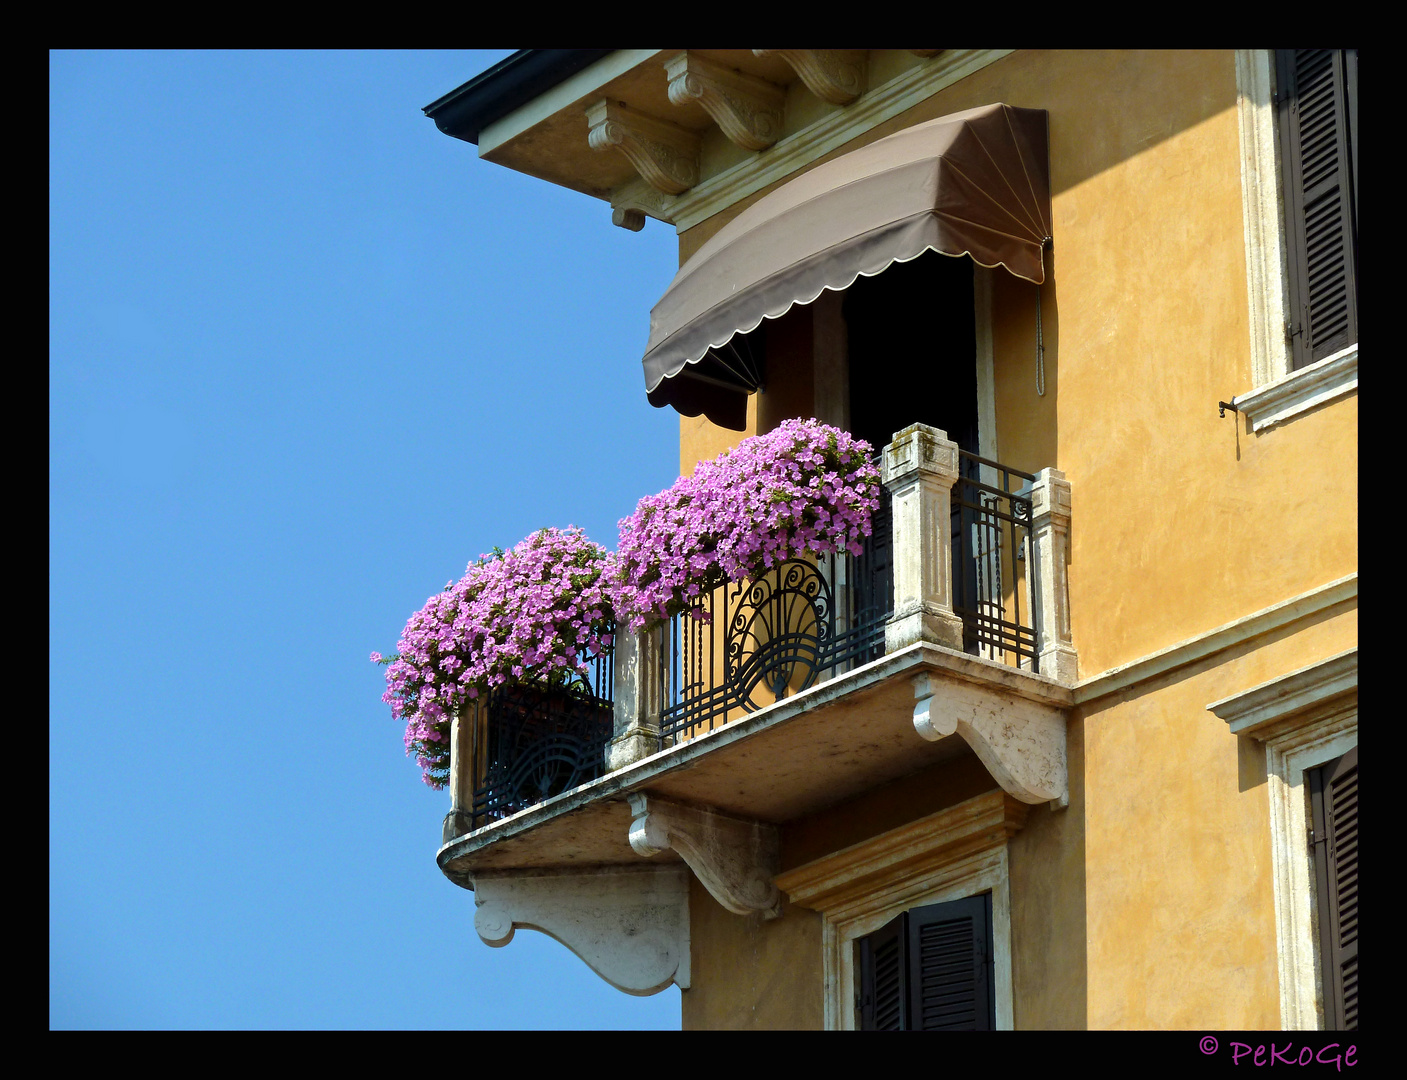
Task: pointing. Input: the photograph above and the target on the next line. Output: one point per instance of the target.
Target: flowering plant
(535, 613)
(804, 487)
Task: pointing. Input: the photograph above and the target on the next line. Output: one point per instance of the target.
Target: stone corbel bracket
(746, 108)
(734, 860)
(1021, 743)
(834, 75)
(629, 924)
(665, 154)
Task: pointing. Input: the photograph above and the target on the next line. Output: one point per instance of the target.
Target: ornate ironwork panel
(772, 637)
(536, 740)
(779, 630)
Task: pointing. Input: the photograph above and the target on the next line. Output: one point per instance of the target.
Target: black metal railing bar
(994, 561)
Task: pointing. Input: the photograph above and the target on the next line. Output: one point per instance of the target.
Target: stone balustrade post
(637, 698)
(462, 730)
(1050, 523)
(919, 470)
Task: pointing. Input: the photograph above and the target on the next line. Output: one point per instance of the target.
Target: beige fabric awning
(975, 183)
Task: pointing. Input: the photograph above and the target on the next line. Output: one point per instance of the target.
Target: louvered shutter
(1334, 805)
(883, 1004)
(950, 966)
(930, 969)
(1318, 116)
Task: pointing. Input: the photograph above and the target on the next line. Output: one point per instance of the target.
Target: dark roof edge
(493, 94)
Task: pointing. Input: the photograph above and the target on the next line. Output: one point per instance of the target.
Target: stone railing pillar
(1050, 523)
(919, 470)
(637, 698)
(462, 730)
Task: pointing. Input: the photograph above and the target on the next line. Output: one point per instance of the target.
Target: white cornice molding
(1342, 590)
(1333, 377)
(1264, 710)
(799, 149)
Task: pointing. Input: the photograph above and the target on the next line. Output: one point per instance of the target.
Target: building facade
(1074, 743)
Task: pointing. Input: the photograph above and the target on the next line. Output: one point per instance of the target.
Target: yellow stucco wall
(1177, 820)
(749, 974)
(1148, 902)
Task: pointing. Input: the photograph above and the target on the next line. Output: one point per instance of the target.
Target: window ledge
(1333, 377)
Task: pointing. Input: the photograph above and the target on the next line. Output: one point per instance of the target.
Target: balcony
(947, 636)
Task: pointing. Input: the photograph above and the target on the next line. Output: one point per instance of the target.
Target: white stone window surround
(865, 886)
(1305, 719)
(1280, 393)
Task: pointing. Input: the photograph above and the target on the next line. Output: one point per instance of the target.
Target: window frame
(1279, 392)
(1305, 719)
(954, 854)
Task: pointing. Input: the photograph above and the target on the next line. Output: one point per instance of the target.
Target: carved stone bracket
(734, 860)
(629, 924)
(834, 75)
(665, 154)
(748, 109)
(1021, 743)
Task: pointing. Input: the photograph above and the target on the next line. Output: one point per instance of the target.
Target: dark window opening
(930, 969)
(1333, 799)
(1317, 106)
(913, 350)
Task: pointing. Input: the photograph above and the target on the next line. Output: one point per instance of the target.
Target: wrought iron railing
(994, 566)
(768, 638)
(535, 740)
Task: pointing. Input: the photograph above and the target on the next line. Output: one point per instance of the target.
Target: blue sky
(307, 358)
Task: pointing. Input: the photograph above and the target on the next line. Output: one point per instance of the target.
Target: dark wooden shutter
(1333, 792)
(883, 1004)
(950, 966)
(930, 969)
(1318, 115)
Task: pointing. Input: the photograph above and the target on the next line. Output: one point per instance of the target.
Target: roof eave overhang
(514, 81)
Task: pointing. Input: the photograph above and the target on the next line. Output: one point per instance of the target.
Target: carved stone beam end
(834, 75)
(628, 217)
(665, 154)
(746, 108)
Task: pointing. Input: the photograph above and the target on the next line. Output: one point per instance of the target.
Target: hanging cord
(1040, 348)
